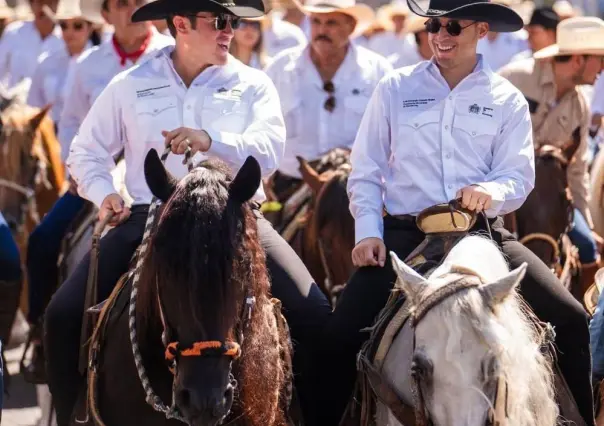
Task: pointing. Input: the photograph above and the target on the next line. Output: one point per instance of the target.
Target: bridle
(498, 414)
(28, 206)
(173, 349)
(555, 265)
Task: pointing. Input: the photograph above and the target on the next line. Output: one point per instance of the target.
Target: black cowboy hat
(162, 9)
(500, 18)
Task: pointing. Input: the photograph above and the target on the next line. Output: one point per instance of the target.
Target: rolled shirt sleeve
(264, 138)
(99, 139)
(369, 159)
(512, 175)
(578, 175)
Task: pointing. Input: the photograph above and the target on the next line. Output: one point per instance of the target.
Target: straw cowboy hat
(576, 36)
(415, 24)
(162, 9)
(90, 10)
(22, 11)
(501, 18)
(361, 13)
(564, 9)
(395, 8)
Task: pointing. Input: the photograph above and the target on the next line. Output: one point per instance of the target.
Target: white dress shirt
(282, 35)
(410, 57)
(499, 52)
(388, 43)
(311, 129)
(420, 142)
(20, 49)
(94, 69)
(50, 79)
(237, 105)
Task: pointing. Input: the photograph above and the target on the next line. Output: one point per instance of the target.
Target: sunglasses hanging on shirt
(454, 28)
(330, 103)
(221, 21)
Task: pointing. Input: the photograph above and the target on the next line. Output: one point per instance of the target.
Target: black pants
(304, 305)
(369, 288)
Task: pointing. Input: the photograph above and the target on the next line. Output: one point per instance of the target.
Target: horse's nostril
(184, 398)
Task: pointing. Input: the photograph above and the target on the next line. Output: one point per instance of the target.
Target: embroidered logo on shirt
(414, 103)
(487, 111)
(232, 95)
(149, 92)
(474, 109)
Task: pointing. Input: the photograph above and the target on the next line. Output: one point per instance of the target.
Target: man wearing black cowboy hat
(541, 31)
(445, 129)
(191, 95)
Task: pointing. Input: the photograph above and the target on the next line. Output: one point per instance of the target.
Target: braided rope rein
(150, 396)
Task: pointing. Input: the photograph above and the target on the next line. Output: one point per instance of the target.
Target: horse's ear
(36, 120)
(310, 175)
(161, 183)
(496, 292)
(571, 148)
(247, 181)
(411, 282)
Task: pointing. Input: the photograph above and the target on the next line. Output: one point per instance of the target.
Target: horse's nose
(211, 406)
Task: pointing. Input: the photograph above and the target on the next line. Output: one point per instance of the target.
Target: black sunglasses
(454, 28)
(330, 103)
(221, 21)
(249, 24)
(77, 26)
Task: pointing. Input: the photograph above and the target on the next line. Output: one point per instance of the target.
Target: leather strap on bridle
(91, 289)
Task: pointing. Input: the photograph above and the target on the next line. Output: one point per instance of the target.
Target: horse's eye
(422, 367)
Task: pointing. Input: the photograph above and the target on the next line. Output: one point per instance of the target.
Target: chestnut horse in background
(543, 221)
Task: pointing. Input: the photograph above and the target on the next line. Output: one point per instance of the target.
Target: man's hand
(475, 198)
(179, 139)
(369, 252)
(114, 203)
(599, 241)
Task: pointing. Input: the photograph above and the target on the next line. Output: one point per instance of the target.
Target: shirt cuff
(368, 226)
(99, 191)
(497, 197)
(224, 145)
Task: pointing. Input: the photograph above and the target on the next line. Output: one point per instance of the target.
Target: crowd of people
(123, 76)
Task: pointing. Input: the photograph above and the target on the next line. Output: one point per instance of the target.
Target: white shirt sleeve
(597, 102)
(369, 159)
(5, 54)
(35, 96)
(75, 107)
(512, 175)
(264, 138)
(99, 139)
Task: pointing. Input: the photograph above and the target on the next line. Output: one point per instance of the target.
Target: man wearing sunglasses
(324, 87)
(551, 84)
(445, 129)
(23, 42)
(191, 95)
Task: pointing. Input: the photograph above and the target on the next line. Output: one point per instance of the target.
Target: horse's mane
(511, 334)
(205, 257)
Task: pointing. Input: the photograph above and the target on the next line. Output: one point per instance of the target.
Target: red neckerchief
(133, 56)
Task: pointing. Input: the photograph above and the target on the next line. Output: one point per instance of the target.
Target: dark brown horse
(327, 241)
(547, 214)
(204, 286)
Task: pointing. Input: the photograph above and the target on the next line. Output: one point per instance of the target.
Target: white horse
(470, 345)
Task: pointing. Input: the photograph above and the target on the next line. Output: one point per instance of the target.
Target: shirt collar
(346, 70)
(480, 71)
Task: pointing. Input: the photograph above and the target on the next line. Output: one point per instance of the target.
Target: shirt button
(447, 127)
(450, 98)
(473, 133)
(449, 186)
(188, 106)
(449, 155)
(415, 124)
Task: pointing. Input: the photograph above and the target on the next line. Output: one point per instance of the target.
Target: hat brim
(554, 50)
(361, 13)
(58, 16)
(500, 18)
(162, 9)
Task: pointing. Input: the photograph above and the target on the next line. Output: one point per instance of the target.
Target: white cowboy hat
(361, 13)
(576, 36)
(6, 12)
(90, 10)
(22, 11)
(415, 24)
(395, 8)
(564, 9)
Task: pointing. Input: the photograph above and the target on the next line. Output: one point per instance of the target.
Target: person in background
(10, 286)
(324, 87)
(279, 34)
(380, 25)
(416, 27)
(162, 26)
(51, 80)
(396, 41)
(23, 42)
(248, 45)
(541, 31)
(293, 14)
(565, 10)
